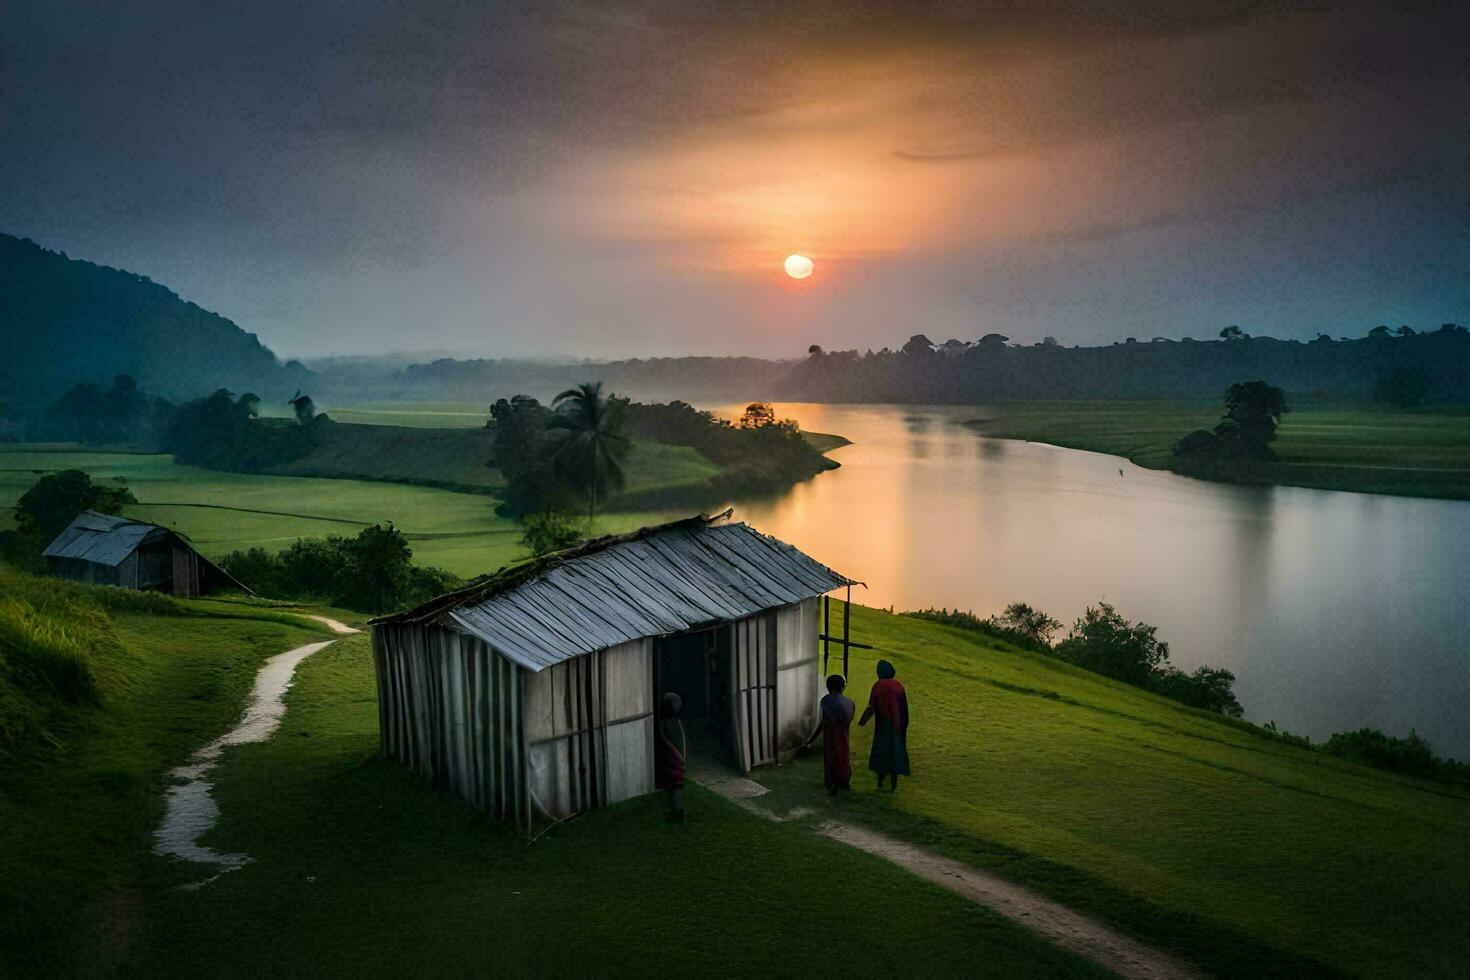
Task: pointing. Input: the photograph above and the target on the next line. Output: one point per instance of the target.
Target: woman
(669, 750)
(890, 755)
(837, 712)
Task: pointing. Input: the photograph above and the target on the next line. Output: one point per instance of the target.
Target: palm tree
(590, 445)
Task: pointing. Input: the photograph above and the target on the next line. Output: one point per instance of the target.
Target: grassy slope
(1177, 825)
(78, 818)
(1331, 447)
(362, 870)
(455, 459)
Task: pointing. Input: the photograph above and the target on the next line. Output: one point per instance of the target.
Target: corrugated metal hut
(532, 692)
(109, 550)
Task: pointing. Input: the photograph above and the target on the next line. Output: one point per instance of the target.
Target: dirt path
(190, 809)
(1071, 930)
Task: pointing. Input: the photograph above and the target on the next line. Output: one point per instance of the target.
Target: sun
(799, 266)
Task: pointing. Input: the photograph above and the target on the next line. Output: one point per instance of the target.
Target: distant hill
(66, 322)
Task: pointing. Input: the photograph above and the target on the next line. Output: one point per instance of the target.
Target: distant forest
(68, 322)
(1433, 367)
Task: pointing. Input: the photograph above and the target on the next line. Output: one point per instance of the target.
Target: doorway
(696, 666)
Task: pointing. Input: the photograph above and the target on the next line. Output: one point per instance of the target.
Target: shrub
(370, 572)
(549, 531)
(1104, 642)
(1412, 755)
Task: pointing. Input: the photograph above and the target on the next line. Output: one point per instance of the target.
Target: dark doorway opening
(696, 666)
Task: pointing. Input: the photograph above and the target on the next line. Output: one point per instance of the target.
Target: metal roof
(102, 538)
(654, 582)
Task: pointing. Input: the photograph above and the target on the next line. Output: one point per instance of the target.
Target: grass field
(1233, 850)
(79, 809)
(1323, 445)
(224, 511)
(1197, 833)
(361, 870)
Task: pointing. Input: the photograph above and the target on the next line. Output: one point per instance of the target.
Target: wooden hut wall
(798, 692)
(589, 729)
(187, 577)
(449, 707)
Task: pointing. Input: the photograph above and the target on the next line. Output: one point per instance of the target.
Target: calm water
(1334, 610)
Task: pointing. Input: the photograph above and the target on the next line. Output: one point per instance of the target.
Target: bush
(371, 572)
(1412, 755)
(549, 531)
(1104, 642)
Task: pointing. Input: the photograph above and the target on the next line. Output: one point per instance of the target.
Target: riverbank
(1325, 446)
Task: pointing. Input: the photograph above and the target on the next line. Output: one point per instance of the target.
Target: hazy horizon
(612, 181)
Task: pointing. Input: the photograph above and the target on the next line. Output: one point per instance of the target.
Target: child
(837, 712)
(669, 749)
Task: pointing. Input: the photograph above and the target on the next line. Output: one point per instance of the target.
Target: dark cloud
(342, 174)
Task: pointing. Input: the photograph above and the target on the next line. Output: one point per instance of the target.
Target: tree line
(1403, 367)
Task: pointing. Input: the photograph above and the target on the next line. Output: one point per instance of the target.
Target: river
(1334, 610)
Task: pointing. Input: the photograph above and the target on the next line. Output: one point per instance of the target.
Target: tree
(1104, 642)
(1379, 331)
(304, 407)
(918, 345)
(380, 558)
(814, 349)
(758, 415)
(1033, 624)
(1406, 331)
(1049, 341)
(590, 441)
(549, 531)
(1234, 332)
(1252, 411)
(57, 498)
(1404, 387)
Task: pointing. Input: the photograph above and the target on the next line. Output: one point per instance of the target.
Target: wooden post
(826, 631)
(846, 631)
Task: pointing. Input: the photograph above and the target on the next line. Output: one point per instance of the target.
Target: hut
(531, 693)
(108, 550)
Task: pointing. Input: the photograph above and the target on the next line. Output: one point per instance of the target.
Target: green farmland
(1327, 446)
(221, 512)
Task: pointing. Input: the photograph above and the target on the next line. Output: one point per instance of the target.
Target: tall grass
(59, 657)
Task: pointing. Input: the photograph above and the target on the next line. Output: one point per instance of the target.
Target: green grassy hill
(361, 870)
(457, 459)
(1198, 833)
(1328, 446)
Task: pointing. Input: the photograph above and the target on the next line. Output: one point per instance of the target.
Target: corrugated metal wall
(579, 734)
(450, 709)
(589, 729)
(798, 688)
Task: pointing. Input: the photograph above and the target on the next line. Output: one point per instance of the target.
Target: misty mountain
(67, 322)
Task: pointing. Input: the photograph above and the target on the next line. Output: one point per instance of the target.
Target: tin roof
(652, 582)
(102, 538)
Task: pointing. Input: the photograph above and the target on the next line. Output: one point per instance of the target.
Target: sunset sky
(626, 179)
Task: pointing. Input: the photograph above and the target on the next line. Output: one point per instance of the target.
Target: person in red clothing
(669, 750)
(837, 712)
(890, 704)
